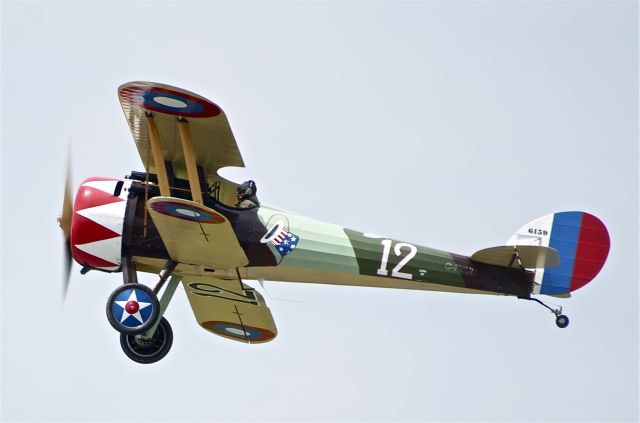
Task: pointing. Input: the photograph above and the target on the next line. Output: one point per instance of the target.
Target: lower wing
(230, 309)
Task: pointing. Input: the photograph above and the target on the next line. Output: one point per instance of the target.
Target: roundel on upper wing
(187, 212)
(170, 101)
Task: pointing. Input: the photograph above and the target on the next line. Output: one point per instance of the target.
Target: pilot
(246, 195)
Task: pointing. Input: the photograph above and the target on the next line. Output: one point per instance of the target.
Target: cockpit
(245, 195)
(230, 195)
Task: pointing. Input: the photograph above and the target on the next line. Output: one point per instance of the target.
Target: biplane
(180, 219)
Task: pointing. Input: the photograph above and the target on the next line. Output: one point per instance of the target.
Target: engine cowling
(97, 223)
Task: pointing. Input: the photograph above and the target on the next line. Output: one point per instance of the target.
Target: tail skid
(562, 321)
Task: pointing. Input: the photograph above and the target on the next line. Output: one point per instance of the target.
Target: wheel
(133, 308)
(562, 321)
(147, 351)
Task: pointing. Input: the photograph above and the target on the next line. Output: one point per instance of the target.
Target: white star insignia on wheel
(136, 315)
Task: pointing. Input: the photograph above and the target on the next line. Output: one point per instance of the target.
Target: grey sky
(445, 124)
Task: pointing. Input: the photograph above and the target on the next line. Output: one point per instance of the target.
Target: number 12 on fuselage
(396, 271)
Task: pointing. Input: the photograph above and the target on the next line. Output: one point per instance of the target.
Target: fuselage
(286, 246)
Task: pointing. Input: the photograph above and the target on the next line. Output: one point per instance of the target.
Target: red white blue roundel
(187, 212)
(165, 100)
(132, 307)
(244, 333)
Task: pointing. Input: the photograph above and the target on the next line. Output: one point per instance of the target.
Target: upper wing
(195, 234)
(213, 143)
(230, 309)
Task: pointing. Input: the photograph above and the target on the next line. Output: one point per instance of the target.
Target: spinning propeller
(65, 224)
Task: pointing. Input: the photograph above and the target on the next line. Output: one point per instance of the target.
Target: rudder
(582, 242)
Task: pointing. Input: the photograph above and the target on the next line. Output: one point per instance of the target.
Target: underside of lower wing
(230, 309)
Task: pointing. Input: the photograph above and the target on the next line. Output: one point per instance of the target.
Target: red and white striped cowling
(97, 222)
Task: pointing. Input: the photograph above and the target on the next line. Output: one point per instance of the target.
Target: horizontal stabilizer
(527, 256)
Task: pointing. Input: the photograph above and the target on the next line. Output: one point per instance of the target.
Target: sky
(445, 124)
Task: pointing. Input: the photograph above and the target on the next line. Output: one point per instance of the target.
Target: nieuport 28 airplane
(181, 220)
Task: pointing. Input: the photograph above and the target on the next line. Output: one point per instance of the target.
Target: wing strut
(190, 160)
(158, 157)
(244, 329)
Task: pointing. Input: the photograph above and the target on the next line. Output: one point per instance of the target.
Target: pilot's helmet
(247, 189)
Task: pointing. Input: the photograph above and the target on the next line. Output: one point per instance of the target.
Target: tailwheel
(562, 321)
(133, 308)
(147, 350)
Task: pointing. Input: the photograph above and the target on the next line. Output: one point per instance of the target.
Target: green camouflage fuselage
(324, 253)
(328, 253)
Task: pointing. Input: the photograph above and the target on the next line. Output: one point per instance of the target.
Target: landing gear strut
(562, 321)
(134, 310)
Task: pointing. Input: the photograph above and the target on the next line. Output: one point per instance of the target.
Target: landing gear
(147, 350)
(134, 310)
(562, 321)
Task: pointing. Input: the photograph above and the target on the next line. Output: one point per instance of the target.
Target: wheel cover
(132, 308)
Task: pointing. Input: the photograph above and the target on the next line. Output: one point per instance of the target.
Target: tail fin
(582, 242)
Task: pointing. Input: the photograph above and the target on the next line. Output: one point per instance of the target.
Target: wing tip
(163, 98)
